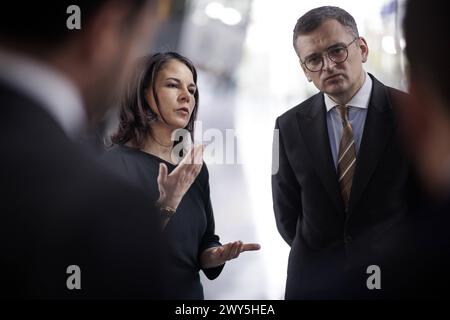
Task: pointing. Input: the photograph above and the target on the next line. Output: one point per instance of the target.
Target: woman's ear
(150, 99)
(151, 116)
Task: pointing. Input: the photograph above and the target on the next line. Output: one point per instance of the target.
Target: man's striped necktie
(347, 157)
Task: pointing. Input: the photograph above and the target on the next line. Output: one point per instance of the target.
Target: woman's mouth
(184, 111)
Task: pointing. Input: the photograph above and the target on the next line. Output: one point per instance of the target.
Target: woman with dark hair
(161, 100)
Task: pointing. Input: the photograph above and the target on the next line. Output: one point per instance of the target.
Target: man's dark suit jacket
(59, 208)
(325, 239)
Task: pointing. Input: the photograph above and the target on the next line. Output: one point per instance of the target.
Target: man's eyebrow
(339, 44)
(311, 55)
(328, 48)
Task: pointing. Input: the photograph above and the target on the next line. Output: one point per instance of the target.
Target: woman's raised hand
(172, 187)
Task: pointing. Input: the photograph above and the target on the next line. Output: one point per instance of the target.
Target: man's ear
(362, 44)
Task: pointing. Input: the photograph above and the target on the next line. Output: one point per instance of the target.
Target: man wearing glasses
(343, 179)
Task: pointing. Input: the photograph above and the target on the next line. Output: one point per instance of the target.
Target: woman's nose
(185, 95)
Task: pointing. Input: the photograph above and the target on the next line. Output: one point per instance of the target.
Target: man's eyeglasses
(337, 54)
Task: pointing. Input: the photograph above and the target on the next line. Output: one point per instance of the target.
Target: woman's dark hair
(135, 112)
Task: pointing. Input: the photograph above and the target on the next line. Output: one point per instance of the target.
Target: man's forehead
(322, 38)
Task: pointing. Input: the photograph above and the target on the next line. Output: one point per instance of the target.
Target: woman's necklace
(162, 155)
(160, 144)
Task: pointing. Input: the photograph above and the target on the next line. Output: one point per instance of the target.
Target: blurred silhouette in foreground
(414, 258)
(417, 267)
(59, 208)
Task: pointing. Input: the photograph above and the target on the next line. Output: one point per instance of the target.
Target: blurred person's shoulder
(396, 97)
(417, 254)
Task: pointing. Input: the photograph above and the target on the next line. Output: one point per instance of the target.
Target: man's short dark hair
(314, 18)
(44, 22)
(426, 28)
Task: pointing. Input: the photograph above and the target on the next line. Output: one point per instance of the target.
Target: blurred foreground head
(96, 57)
(426, 117)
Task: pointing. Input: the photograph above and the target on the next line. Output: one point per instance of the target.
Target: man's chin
(337, 89)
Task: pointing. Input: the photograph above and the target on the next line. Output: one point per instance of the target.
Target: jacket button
(347, 239)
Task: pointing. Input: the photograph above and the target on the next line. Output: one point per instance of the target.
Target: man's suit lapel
(313, 128)
(377, 132)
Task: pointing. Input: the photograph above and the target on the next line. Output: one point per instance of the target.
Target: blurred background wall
(248, 75)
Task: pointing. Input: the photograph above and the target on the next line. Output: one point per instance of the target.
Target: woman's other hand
(216, 256)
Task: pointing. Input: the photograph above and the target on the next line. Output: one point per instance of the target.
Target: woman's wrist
(162, 205)
(208, 260)
(166, 213)
(169, 204)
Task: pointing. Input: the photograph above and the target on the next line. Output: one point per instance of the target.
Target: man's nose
(328, 64)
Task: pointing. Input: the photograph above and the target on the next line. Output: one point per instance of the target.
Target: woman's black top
(189, 231)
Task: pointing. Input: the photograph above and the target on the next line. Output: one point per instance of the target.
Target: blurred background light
(388, 44)
(214, 10)
(229, 16)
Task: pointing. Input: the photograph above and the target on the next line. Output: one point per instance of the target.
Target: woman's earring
(151, 116)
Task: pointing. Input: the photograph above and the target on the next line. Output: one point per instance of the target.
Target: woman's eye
(192, 91)
(171, 85)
